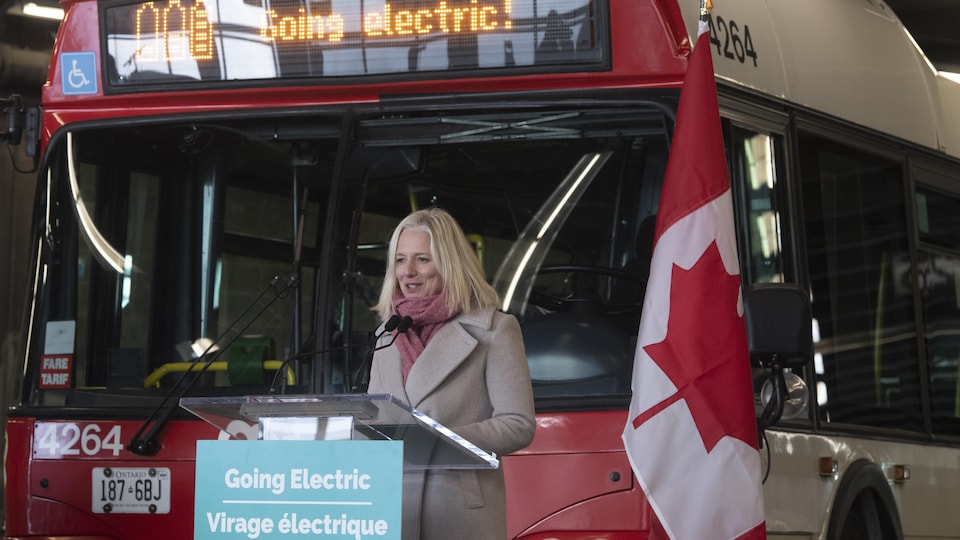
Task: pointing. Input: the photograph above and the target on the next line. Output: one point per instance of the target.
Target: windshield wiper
(147, 445)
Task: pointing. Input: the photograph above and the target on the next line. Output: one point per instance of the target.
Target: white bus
(844, 140)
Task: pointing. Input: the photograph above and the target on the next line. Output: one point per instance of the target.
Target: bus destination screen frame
(193, 44)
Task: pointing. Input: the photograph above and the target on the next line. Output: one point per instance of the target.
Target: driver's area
(563, 227)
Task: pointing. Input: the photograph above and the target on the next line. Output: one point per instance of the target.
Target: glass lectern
(426, 443)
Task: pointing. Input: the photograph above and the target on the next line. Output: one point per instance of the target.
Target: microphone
(392, 323)
(362, 379)
(405, 324)
(402, 325)
(278, 377)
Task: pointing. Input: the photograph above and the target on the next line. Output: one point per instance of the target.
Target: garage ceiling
(933, 24)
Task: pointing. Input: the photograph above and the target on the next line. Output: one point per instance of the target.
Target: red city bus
(218, 181)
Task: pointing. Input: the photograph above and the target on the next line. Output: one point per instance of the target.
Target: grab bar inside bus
(153, 380)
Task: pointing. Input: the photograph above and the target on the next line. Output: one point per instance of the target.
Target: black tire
(864, 508)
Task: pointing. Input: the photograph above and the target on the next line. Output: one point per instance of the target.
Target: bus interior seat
(126, 367)
(245, 359)
(639, 264)
(632, 291)
(573, 354)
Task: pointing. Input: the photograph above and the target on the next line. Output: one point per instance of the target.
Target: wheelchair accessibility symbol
(78, 72)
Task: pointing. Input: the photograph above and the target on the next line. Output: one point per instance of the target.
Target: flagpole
(705, 7)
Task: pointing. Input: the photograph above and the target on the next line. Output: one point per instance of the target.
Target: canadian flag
(691, 435)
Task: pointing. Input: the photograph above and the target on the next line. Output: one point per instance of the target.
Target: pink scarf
(429, 314)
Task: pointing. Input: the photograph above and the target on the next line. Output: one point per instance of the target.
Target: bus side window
(755, 162)
(857, 253)
(939, 279)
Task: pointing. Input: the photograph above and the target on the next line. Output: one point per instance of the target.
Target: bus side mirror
(12, 108)
(779, 336)
(15, 119)
(779, 325)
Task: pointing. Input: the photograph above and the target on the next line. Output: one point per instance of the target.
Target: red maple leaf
(705, 352)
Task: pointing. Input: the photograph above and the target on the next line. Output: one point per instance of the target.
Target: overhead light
(33, 9)
(47, 12)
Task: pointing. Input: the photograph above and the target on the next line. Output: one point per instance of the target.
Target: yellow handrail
(479, 245)
(220, 365)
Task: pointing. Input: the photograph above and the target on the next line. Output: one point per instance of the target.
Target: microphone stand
(362, 380)
(279, 380)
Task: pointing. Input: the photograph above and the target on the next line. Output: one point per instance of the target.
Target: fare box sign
(291, 489)
(55, 371)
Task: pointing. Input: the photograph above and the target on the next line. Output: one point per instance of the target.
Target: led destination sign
(474, 18)
(203, 41)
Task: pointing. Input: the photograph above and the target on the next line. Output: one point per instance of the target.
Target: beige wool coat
(473, 378)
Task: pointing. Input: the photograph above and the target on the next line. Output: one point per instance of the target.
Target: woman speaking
(462, 363)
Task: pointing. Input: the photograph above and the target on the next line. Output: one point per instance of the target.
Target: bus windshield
(201, 243)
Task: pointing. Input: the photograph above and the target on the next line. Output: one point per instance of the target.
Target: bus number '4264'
(732, 42)
(65, 439)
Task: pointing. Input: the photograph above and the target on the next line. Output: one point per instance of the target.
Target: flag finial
(705, 7)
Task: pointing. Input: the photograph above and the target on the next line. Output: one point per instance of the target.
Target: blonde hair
(462, 276)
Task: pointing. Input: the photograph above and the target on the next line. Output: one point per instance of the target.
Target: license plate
(131, 490)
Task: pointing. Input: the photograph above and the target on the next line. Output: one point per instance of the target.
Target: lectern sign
(285, 489)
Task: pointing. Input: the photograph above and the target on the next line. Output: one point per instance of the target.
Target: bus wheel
(864, 508)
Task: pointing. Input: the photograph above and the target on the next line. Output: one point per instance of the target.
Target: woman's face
(417, 275)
